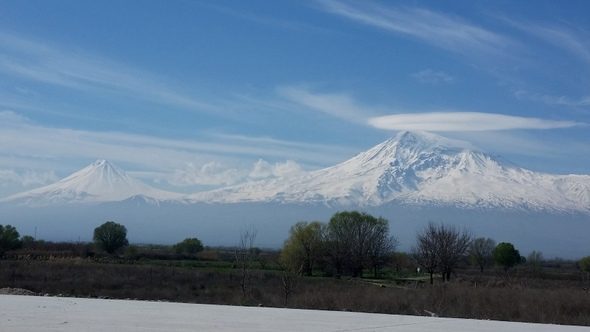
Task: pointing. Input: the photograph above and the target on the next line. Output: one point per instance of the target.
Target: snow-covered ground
(33, 313)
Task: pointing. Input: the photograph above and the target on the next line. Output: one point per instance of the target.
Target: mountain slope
(419, 168)
(100, 181)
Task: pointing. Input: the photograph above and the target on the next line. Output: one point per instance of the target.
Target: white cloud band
(463, 121)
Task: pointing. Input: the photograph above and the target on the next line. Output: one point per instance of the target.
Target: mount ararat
(410, 179)
(410, 168)
(422, 169)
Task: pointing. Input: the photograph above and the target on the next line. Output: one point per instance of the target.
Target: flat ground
(35, 313)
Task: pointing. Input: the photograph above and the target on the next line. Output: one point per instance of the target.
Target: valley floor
(34, 313)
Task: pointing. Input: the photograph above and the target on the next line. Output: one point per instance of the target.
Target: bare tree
(289, 279)
(481, 252)
(439, 249)
(381, 246)
(535, 261)
(452, 244)
(425, 252)
(244, 257)
(357, 240)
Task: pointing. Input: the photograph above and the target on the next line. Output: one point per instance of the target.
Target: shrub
(189, 246)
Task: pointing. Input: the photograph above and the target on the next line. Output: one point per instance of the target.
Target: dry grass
(492, 297)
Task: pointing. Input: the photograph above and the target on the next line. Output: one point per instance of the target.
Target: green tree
(189, 246)
(110, 236)
(584, 264)
(9, 238)
(481, 251)
(506, 255)
(303, 248)
(27, 241)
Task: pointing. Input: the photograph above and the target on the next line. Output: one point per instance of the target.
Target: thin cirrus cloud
(37, 143)
(43, 63)
(463, 121)
(26, 178)
(442, 30)
(553, 99)
(430, 76)
(575, 42)
(338, 105)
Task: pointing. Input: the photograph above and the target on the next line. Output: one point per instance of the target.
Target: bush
(189, 246)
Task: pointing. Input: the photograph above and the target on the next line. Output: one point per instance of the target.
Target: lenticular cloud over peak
(463, 121)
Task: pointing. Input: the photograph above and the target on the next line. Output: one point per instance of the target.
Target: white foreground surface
(32, 313)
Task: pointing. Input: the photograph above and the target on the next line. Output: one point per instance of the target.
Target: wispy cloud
(553, 100)
(209, 174)
(216, 173)
(442, 30)
(463, 121)
(23, 138)
(263, 169)
(574, 41)
(276, 22)
(337, 105)
(430, 76)
(74, 69)
(26, 178)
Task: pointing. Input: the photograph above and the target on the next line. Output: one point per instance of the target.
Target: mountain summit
(419, 168)
(100, 181)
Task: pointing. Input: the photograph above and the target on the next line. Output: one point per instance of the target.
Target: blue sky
(193, 95)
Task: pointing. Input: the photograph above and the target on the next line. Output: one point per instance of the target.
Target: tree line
(353, 242)
(110, 238)
(350, 244)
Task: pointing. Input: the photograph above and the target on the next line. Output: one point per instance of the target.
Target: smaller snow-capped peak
(100, 181)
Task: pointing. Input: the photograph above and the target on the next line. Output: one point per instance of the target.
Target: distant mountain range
(408, 169)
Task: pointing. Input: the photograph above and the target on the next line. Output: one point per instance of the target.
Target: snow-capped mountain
(410, 168)
(419, 168)
(98, 182)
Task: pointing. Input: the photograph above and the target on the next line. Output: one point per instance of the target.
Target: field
(555, 294)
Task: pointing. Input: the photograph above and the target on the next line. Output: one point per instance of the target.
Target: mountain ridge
(416, 168)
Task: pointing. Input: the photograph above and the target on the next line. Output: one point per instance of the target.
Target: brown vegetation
(555, 298)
